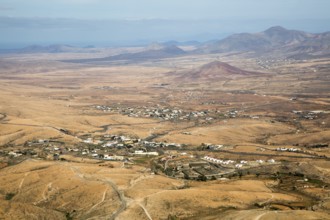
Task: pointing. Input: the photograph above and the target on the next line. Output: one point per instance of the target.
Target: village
(174, 160)
(169, 159)
(272, 63)
(205, 167)
(159, 112)
(175, 114)
(106, 147)
(310, 115)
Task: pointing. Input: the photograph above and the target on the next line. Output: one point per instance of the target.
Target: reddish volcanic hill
(216, 70)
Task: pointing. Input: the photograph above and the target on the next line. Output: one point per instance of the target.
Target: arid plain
(251, 110)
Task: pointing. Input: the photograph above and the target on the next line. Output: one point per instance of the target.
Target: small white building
(142, 153)
(113, 157)
(88, 141)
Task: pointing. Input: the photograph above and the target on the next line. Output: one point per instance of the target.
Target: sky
(134, 22)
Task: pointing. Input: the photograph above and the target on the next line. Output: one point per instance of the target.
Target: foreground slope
(93, 190)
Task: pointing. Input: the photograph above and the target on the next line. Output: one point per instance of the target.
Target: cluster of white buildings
(214, 160)
(143, 153)
(122, 141)
(269, 161)
(14, 154)
(113, 157)
(156, 112)
(287, 149)
(237, 165)
(91, 141)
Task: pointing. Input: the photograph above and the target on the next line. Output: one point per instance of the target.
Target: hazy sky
(134, 21)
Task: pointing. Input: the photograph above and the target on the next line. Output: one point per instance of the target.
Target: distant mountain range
(275, 40)
(154, 51)
(63, 48)
(58, 48)
(55, 48)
